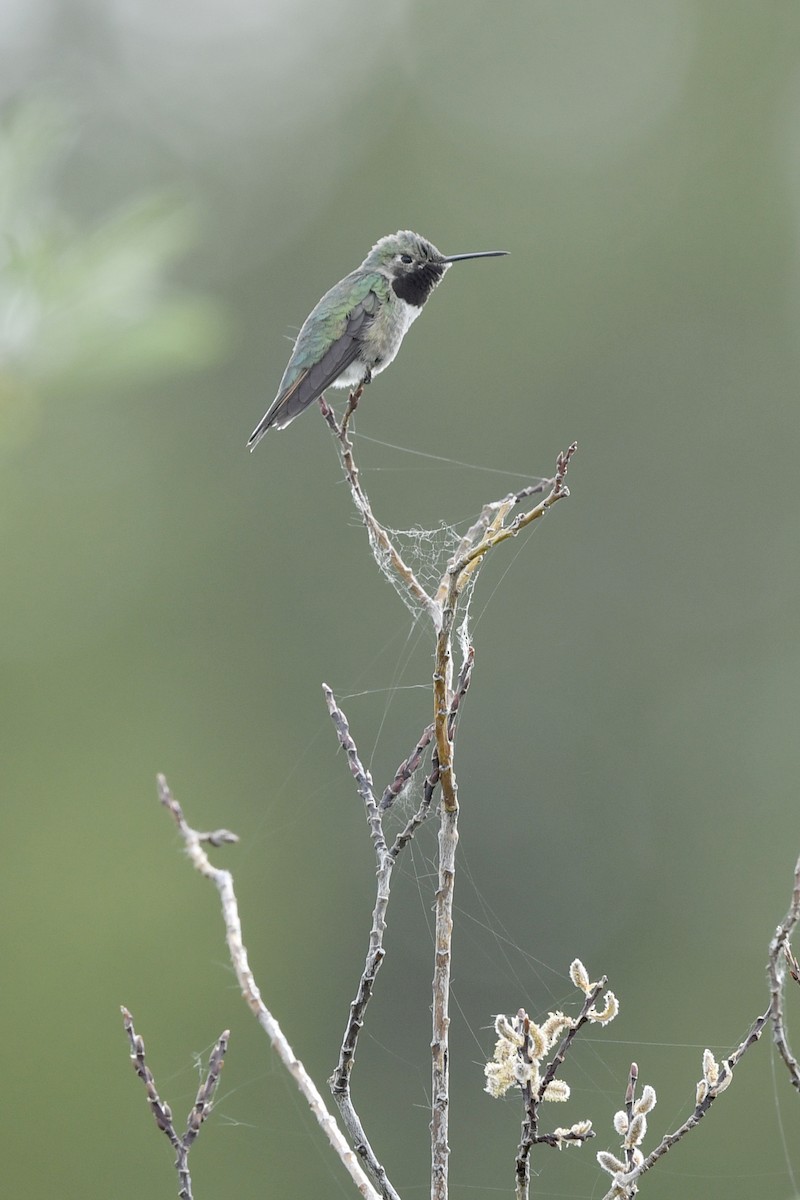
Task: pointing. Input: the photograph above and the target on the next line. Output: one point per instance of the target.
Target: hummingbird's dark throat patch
(418, 283)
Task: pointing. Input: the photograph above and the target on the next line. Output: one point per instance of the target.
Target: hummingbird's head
(412, 264)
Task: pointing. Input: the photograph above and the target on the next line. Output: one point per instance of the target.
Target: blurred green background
(179, 184)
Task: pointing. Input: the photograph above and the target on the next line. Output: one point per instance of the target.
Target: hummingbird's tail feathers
(256, 436)
(309, 384)
(285, 407)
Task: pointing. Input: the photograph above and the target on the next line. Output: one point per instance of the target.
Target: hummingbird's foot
(367, 379)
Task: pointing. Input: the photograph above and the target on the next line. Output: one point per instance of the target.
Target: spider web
(427, 553)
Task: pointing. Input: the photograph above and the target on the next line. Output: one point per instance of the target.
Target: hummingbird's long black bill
(478, 254)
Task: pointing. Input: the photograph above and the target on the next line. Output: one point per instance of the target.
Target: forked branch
(520, 1061)
(383, 547)
(194, 843)
(385, 857)
(494, 526)
(632, 1125)
(200, 1110)
(716, 1076)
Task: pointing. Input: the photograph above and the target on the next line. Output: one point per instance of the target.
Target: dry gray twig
(379, 538)
(406, 771)
(223, 882)
(340, 1080)
(162, 1112)
(385, 860)
(781, 957)
(716, 1078)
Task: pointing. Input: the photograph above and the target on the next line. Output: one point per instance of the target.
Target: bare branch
(440, 1067)
(422, 813)
(792, 964)
(163, 1113)
(716, 1079)
(205, 1093)
(385, 861)
(407, 769)
(340, 1080)
(378, 536)
(489, 530)
(781, 956)
(443, 934)
(223, 882)
(359, 772)
(494, 537)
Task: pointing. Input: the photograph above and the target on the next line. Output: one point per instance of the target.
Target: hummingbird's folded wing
(304, 385)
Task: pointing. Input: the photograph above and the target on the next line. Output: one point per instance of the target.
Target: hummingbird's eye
(406, 258)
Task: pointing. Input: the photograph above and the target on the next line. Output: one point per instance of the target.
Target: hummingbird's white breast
(381, 340)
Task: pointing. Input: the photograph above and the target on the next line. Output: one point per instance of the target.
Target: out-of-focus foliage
(86, 309)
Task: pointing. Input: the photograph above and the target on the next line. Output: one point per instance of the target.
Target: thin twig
(406, 771)
(385, 860)
(558, 491)
(422, 813)
(432, 779)
(440, 1054)
(340, 1080)
(378, 536)
(359, 772)
(557, 1060)
(443, 935)
(625, 1185)
(182, 1143)
(223, 881)
(488, 531)
(492, 516)
(781, 956)
(533, 1098)
(792, 965)
(533, 489)
(717, 1077)
(630, 1101)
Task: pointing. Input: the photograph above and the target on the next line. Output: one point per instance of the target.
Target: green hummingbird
(356, 329)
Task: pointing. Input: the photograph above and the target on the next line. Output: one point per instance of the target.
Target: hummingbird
(356, 329)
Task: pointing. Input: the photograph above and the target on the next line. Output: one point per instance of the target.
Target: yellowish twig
(488, 531)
